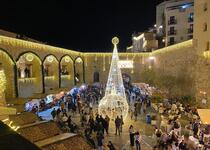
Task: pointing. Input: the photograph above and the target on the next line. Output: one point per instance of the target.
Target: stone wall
(170, 68)
(176, 68)
(202, 45)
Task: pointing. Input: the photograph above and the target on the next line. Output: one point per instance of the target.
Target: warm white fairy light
(29, 57)
(114, 102)
(79, 60)
(104, 63)
(67, 59)
(2, 83)
(50, 59)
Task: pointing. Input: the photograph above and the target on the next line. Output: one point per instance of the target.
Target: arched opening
(29, 75)
(79, 72)
(51, 73)
(66, 72)
(7, 77)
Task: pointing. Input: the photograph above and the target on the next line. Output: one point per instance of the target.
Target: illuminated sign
(125, 64)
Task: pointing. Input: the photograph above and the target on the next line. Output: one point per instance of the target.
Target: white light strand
(114, 102)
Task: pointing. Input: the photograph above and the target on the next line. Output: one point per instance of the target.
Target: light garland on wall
(29, 57)
(104, 63)
(132, 71)
(67, 59)
(96, 58)
(2, 82)
(86, 62)
(79, 60)
(50, 59)
(36, 46)
(9, 123)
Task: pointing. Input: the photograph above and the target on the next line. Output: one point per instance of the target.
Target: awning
(204, 115)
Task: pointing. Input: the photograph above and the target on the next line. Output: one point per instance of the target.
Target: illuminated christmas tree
(114, 102)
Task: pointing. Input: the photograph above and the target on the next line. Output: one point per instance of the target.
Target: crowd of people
(170, 133)
(95, 127)
(172, 136)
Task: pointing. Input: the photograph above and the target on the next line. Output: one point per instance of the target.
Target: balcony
(190, 20)
(189, 31)
(172, 32)
(172, 22)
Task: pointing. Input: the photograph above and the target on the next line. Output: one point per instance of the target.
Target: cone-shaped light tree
(114, 102)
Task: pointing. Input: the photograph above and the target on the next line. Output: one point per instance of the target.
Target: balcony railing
(171, 22)
(190, 19)
(189, 31)
(172, 32)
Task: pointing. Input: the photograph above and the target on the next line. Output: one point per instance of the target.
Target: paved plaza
(121, 142)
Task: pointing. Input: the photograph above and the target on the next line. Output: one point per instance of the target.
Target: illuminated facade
(144, 42)
(174, 21)
(32, 68)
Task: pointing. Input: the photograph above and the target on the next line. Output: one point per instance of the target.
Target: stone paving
(122, 142)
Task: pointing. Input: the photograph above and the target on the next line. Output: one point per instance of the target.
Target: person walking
(137, 141)
(131, 132)
(117, 125)
(100, 138)
(121, 123)
(107, 119)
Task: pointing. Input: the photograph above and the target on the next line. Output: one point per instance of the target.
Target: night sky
(79, 25)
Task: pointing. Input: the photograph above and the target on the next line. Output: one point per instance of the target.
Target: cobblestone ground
(122, 142)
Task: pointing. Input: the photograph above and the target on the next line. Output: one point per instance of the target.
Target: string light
(13, 127)
(114, 102)
(29, 57)
(79, 60)
(104, 63)
(67, 59)
(50, 59)
(2, 83)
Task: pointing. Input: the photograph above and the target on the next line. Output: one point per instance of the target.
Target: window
(172, 20)
(171, 29)
(190, 30)
(191, 26)
(205, 7)
(207, 45)
(171, 40)
(205, 27)
(191, 17)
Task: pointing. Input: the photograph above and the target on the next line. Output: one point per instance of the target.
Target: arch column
(7, 66)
